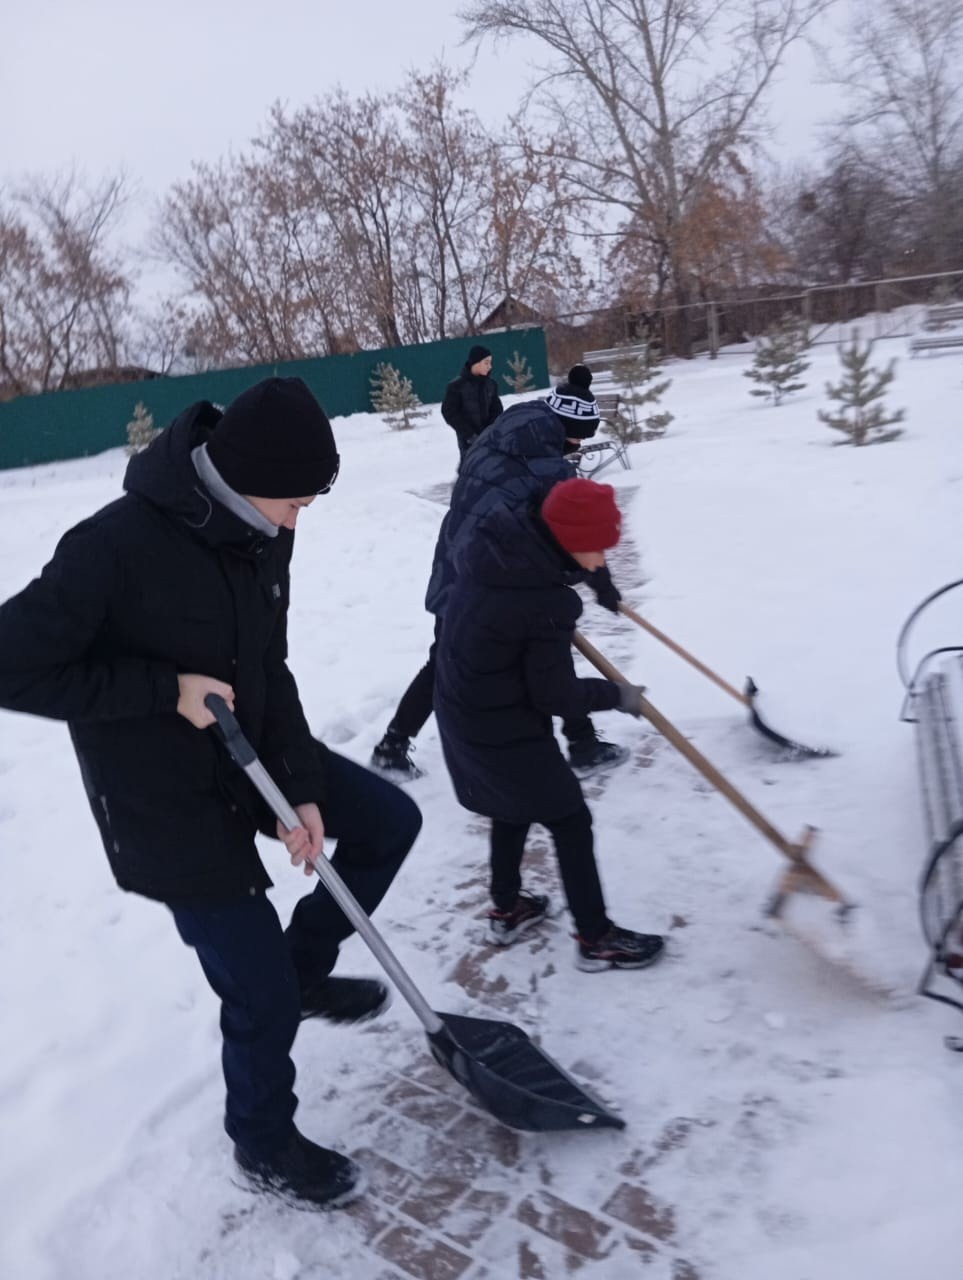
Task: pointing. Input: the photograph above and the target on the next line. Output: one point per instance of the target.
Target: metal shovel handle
(246, 757)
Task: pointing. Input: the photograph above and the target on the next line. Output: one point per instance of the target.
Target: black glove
(606, 592)
(630, 699)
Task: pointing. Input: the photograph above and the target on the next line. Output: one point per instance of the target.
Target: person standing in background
(471, 400)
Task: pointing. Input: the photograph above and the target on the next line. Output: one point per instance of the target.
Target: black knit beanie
(477, 353)
(580, 375)
(275, 441)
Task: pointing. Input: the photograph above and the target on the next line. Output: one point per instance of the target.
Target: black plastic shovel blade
(794, 750)
(513, 1079)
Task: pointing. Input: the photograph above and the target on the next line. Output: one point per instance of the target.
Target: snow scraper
(794, 750)
(846, 943)
(506, 1074)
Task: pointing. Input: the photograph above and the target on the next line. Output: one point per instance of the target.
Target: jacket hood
(528, 430)
(514, 549)
(164, 475)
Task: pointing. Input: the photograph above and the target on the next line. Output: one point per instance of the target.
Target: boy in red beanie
(504, 668)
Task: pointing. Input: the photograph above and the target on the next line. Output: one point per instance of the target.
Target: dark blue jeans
(257, 970)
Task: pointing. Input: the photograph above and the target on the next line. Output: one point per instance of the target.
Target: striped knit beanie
(573, 401)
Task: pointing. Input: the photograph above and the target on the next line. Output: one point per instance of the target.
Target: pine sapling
(633, 372)
(394, 398)
(140, 430)
(778, 362)
(521, 378)
(862, 416)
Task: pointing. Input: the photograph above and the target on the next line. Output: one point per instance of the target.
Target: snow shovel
(795, 750)
(801, 876)
(496, 1062)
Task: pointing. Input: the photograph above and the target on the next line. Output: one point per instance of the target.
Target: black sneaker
(504, 927)
(618, 949)
(344, 999)
(391, 756)
(303, 1175)
(593, 756)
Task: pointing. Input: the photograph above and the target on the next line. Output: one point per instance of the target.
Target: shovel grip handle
(240, 749)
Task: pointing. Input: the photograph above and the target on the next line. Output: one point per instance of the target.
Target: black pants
(576, 862)
(464, 444)
(415, 705)
(257, 970)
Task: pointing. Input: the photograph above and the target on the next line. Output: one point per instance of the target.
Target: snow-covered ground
(823, 1126)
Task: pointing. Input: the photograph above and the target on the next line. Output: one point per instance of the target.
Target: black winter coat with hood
(471, 404)
(504, 668)
(165, 581)
(515, 463)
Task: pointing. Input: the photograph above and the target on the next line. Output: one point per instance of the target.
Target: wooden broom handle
(794, 852)
(684, 654)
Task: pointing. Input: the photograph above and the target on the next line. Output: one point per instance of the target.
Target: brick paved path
(456, 1196)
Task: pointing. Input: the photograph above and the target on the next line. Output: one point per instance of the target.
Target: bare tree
(260, 264)
(530, 222)
(843, 222)
(902, 78)
(445, 170)
(64, 292)
(646, 127)
(368, 222)
(347, 159)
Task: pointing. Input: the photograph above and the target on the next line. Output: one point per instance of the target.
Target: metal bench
(936, 342)
(934, 703)
(610, 405)
(600, 362)
(592, 459)
(943, 315)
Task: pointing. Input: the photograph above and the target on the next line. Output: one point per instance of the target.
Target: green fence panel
(76, 424)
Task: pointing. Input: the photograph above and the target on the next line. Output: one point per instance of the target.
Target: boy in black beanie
(177, 590)
(471, 400)
(516, 461)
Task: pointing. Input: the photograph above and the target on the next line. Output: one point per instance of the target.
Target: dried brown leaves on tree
(647, 128)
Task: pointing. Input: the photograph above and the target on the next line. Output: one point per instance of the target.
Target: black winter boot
(303, 1175)
(391, 756)
(344, 999)
(592, 755)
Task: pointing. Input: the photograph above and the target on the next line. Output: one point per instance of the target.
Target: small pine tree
(860, 416)
(140, 430)
(394, 398)
(521, 378)
(633, 373)
(779, 359)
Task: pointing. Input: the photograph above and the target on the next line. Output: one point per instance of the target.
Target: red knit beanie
(582, 515)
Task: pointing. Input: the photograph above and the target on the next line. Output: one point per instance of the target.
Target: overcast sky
(111, 84)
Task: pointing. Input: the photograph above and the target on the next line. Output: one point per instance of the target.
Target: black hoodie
(165, 581)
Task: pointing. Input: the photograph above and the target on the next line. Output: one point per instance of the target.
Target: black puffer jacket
(164, 581)
(515, 463)
(471, 404)
(504, 668)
